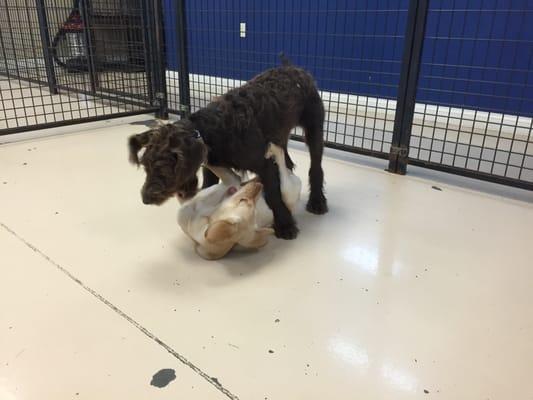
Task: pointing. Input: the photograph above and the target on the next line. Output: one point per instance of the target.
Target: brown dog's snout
(147, 198)
(186, 194)
(152, 194)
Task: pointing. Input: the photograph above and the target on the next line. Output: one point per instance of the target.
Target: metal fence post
(86, 12)
(183, 68)
(405, 107)
(147, 49)
(159, 55)
(45, 42)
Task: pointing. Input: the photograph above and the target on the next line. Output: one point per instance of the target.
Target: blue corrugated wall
(477, 53)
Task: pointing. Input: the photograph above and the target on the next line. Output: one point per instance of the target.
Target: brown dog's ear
(136, 143)
(220, 231)
(259, 239)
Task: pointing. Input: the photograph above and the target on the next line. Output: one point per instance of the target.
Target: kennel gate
(73, 61)
(442, 84)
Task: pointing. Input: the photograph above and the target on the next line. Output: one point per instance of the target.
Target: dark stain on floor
(163, 377)
(436, 188)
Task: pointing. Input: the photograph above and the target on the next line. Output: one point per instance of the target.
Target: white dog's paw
(273, 151)
(270, 151)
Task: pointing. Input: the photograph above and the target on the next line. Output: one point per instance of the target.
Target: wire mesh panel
(353, 49)
(68, 60)
(475, 95)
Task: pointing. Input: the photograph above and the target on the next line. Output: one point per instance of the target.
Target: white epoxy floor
(402, 291)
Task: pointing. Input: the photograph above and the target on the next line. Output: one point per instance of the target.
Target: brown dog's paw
(286, 232)
(317, 205)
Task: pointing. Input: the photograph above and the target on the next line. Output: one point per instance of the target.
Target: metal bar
(483, 176)
(147, 41)
(89, 45)
(183, 60)
(159, 60)
(405, 107)
(348, 148)
(45, 42)
(100, 95)
(19, 129)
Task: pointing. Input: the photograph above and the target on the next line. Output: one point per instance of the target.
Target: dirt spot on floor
(163, 377)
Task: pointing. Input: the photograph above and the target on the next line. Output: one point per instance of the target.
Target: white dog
(228, 214)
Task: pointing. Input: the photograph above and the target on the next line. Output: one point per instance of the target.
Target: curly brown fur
(171, 158)
(236, 128)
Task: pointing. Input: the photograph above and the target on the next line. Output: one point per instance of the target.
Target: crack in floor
(146, 332)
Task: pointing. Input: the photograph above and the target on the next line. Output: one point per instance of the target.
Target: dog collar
(196, 134)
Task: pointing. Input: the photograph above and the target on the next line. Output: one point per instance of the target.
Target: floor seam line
(137, 325)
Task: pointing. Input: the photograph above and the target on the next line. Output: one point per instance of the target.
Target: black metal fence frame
(154, 65)
(398, 156)
(399, 152)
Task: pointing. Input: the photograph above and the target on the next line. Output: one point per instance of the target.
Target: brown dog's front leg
(284, 224)
(209, 178)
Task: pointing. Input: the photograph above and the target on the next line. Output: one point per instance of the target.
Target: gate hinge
(398, 159)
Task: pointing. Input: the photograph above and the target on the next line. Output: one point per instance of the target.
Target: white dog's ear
(259, 238)
(221, 231)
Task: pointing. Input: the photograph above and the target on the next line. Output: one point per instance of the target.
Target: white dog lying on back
(228, 214)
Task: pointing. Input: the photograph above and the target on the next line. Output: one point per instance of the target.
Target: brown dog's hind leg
(313, 123)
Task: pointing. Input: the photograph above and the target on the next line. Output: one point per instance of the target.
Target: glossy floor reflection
(402, 291)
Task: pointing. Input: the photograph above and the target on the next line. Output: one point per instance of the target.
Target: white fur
(196, 214)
